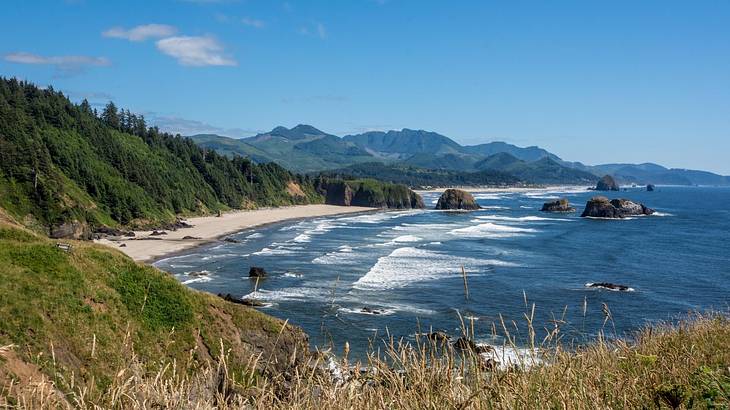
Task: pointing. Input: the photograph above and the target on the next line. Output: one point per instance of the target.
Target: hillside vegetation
(420, 177)
(79, 317)
(66, 169)
(62, 162)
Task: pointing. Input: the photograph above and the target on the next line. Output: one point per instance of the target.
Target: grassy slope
(82, 312)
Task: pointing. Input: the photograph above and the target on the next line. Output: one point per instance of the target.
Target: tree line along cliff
(62, 162)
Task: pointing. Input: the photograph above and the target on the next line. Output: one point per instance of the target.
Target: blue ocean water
(405, 267)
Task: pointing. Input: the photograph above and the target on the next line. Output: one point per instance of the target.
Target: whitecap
(370, 312)
(200, 279)
(274, 251)
(290, 294)
(506, 356)
(407, 265)
(303, 238)
(491, 230)
(255, 235)
(530, 218)
(661, 214)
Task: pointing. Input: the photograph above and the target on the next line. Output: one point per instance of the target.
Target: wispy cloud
(195, 51)
(251, 22)
(315, 30)
(64, 65)
(183, 126)
(141, 33)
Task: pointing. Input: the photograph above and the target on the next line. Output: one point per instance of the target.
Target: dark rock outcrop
(71, 230)
(438, 336)
(178, 224)
(607, 183)
(256, 272)
(466, 344)
(601, 207)
(239, 301)
(609, 286)
(650, 188)
(158, 233)
(560, 205)
(457, 199)
(187, 237)
(105, 231)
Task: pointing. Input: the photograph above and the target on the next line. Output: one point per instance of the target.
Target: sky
(591, 81)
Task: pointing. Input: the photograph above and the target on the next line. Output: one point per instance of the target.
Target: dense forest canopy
(61, 161)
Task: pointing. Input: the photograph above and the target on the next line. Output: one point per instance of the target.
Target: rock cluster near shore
(560, 205)
(602, 207)
(457, 199)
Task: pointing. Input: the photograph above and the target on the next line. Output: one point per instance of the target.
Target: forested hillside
(64, 163)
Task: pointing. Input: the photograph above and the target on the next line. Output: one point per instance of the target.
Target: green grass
(76, 315)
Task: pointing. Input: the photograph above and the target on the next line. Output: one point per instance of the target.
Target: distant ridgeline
(419, 158)
(64, 167)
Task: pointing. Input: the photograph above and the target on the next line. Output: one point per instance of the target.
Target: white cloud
(141, 33)
(315, 29)
(183, 126)
(253, 22)
(66, 65)
(195, 51)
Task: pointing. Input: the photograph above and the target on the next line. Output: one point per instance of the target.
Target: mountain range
(305, 148)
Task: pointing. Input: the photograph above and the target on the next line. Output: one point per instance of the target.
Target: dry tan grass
(680, 365)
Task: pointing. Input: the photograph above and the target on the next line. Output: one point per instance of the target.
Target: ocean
(367, 277)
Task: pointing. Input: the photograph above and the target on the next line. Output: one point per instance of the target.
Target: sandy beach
(210, 228)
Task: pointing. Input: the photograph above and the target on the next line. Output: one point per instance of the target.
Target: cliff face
(369, 193)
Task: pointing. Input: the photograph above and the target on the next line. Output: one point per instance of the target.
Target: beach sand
(211, 228)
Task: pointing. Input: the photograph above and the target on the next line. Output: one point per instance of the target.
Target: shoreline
(210, 229)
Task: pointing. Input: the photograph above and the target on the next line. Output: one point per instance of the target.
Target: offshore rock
(457, 199)
(561, 205)
(607, 183)
(601, 207)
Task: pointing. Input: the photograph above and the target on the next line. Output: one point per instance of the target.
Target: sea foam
(407, 265)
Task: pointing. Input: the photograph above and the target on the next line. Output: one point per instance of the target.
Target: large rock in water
(256, 272)
(607, 183)
(561, 205)
(601, 207)
(457, 199)
(650, 187)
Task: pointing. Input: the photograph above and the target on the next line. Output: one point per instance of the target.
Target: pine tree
(110, 115)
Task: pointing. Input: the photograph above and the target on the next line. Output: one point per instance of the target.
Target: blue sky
(608, 81)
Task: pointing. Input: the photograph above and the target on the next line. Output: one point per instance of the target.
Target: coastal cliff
(368, 193)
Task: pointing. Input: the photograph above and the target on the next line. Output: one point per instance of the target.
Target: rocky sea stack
(607, 183)
(602, 207)
(256, 272)
(560, 205)
(650, 188)
(457, 199)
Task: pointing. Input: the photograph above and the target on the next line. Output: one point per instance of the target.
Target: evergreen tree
(110, 115)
